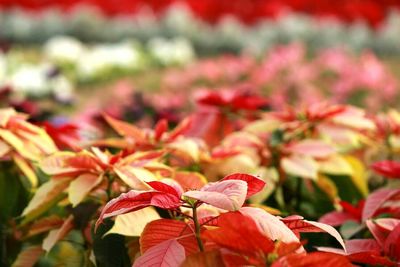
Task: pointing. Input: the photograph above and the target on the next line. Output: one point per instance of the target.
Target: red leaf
(254, 184)
(391, 246)
(204, 259)
(135, 200)
(235, 100)
(212, 98)
(160, 128)
(387, 168)
(163, 187)
(190, 180)
(376, 200)
(28, 256)
(210, 125)
(239, 233)
(83, 161)
(355, 211)
(298, 225)
(235, 260)
(283, 249)
(313, 259)
(336, 218)
(44, 225)
(167, 253)
(250, 102)
(322, 111)
(65, 136)
(56, 235)
(180, 129)
(371, 258)
(164, 229)
(362, 245)
(125, 129)
(378, 233)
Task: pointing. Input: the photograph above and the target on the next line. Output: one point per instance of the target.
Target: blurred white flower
(62, 89)
(30, 79)
(105, 56)
(64, 49)
(174, 51)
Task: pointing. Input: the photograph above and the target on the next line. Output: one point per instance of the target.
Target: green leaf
(347, 190)
(109, 251)
(276, 138)
(350, 228)
(13, 196)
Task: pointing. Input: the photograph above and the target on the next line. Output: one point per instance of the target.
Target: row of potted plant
(228, 34)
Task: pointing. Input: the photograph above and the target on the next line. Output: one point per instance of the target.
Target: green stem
(197, 229)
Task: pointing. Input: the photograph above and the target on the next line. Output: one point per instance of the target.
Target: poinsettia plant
(298, 184)
(200, 234)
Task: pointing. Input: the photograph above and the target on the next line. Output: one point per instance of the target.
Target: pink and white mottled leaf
(336, 218)
(270, 225)
(300, 166)
(228, 195)
(254, 184)
(387, 224)
(362, 245)
(376, 200)
(312, 148)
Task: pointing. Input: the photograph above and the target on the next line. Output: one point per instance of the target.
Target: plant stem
(3, 247)
(197, 228)
(298, 194)
(110, 180)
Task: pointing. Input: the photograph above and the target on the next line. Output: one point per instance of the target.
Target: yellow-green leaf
(301, 166)
(328, 186)
(359, 176)
(17, 144)
(4, 148)
(133, 223)
(46, 196)
(26, 170)
(188, 147)
(135, 177)
(335, 165)
(81, 186)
